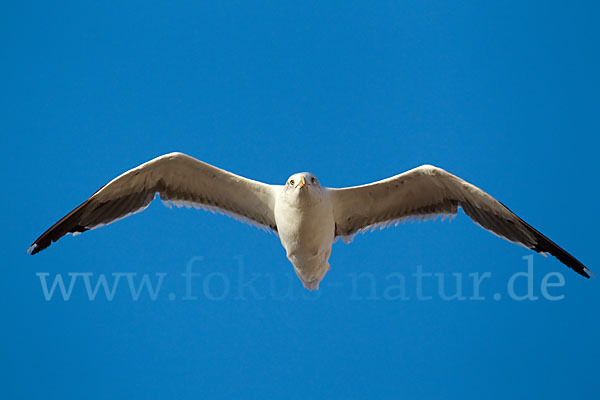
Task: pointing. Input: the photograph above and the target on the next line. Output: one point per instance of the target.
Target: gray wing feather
(177, 178)
(427, 192)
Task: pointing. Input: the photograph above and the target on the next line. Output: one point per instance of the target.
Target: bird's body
(306, 228)
(307, 217)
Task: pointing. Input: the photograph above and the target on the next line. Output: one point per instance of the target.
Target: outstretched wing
(177, 178)
(427, 192)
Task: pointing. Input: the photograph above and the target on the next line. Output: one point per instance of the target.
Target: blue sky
(503, 94)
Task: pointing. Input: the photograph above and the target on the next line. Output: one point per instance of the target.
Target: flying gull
(306, 216)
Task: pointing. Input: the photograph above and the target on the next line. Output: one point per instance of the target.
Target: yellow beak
(302, 183)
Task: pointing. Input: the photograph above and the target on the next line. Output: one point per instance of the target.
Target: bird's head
(302, 180)
(303, 185)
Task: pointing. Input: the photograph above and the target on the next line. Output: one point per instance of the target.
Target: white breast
(306, 228)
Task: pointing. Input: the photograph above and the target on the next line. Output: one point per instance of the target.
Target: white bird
(307, 216)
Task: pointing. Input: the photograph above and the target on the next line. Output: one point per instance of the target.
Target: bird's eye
(292, 182)
(313, 180)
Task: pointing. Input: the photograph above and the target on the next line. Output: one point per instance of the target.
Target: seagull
(307, 217)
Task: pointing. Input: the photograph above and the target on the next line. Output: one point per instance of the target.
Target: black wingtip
(545, 245)
(585, 273)
(41, 243)
(35, 248)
